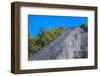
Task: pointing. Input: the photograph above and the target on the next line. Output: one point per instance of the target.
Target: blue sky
(36, 22)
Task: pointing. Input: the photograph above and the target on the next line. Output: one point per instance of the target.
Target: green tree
(33, 44)
(84, 27)
(42, 37)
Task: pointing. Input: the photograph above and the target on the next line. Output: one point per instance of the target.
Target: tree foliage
(84, 27)
(36, 43)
